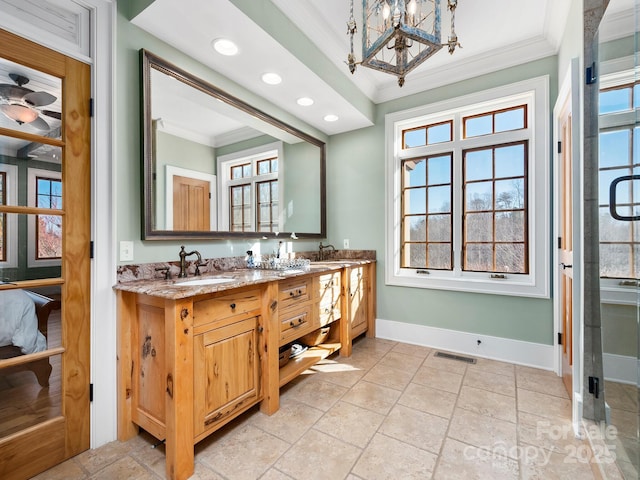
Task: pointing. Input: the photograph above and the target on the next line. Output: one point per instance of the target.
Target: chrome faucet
(323, 248)
(183, 264)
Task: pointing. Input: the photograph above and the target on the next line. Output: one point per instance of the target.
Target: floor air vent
(460, 358)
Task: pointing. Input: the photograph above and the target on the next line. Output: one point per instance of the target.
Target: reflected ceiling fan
(22, 104)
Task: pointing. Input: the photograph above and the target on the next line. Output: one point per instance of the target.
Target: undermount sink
(203, 281)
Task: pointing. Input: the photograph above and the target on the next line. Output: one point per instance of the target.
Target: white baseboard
(495, 348)
(619, 368)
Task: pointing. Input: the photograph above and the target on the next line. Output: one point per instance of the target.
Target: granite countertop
(177, 288)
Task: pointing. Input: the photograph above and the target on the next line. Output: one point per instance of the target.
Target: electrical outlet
(126, 251)
(346, 243)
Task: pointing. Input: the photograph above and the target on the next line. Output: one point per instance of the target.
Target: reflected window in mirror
(250, 185)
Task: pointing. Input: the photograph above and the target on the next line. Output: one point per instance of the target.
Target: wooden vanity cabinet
(360, 304)
(295, 317)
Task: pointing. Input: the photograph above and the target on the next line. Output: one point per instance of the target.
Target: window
(467, 184)
(44, 190)
(619, 155)
(252, 179)
(8, 223)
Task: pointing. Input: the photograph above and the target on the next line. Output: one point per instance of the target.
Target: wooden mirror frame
(148, 61)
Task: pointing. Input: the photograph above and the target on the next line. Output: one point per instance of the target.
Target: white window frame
(535, 94)
(613, 74)
(253, 156)
(11, 242)
(32, 174)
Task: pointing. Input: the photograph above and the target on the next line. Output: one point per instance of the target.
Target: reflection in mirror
(216, 167)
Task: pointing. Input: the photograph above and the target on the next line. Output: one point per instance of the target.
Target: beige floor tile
(494, 366)
(414, 350)
(492, 382)
(318, 456)
(388, 376)
(153, 458)
(448, 365)
(350, 423)
(488, 403)
(202, 472)
(274, 474)
(484, 432)
(374, 346)
(95, 460)
(339, 371)
(290, 422)
(69, 470)
(548, 406)
(440, 379)
(556, 435)
(545, 465)
(244, 453)
(126, 467)
(372, 397)
(387, 458)
(401, 361)
(416, 428)
(429, 400)
(626, 422)
(534, 371)
(628, 471)
(361, 360)
(315, 392)
(621, 396)
(550, 385)
(460, 461)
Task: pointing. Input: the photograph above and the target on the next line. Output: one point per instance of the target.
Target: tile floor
(391, 411)
(623, 401)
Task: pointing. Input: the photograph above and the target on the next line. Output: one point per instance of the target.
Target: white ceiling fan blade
(39, 99)
(13, 92)
(40, 124)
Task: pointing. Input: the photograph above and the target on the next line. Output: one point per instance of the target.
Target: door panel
(44, 243)
(566, 247)
(191, 198)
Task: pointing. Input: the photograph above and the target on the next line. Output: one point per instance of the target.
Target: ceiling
(305, 41)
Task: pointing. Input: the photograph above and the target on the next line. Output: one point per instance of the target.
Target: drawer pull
(232, 306)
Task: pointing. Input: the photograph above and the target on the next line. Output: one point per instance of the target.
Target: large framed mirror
(215, 166)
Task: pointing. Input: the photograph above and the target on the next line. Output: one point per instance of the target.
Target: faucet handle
(166, 270)
(198, 265)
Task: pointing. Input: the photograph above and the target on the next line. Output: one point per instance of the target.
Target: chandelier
(398, 35)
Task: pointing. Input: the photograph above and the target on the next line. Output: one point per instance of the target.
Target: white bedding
(19, 323)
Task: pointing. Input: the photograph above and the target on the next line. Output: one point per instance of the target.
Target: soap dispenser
(250, 261)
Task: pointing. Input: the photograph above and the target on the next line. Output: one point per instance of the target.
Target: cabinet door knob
(232, 306)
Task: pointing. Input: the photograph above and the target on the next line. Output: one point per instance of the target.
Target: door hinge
(559, 147)
(91, 392)
(559, 338)
(91, 249)
(91, 107)
(594, 386)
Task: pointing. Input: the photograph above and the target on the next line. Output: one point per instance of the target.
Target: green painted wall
(355, 197)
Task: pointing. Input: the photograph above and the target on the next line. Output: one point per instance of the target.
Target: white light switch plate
(346, 243)
(126, 251)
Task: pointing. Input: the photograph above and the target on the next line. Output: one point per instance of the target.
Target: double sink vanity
(195, 353)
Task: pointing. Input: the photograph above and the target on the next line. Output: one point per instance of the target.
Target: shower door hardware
(565, 266)
(594, 386)
(613, 203)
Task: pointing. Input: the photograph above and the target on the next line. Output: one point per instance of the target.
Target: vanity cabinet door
(328, 296)
(357, 300)
(226, 373)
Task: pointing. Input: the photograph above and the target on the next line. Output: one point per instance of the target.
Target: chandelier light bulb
(411, 7)
(386, 11)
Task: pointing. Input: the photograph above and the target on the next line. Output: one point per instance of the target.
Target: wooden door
(566, 246)
(191, 204)
(51, 145)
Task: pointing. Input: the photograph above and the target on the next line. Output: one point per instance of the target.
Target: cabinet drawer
(294, 292)
(328, 312)
(328, 288)
(225, 306)
(294, 323)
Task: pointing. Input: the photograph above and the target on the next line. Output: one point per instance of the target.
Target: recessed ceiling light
(224, 46)
(271, 78)
(330, 118)
(305, 101)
